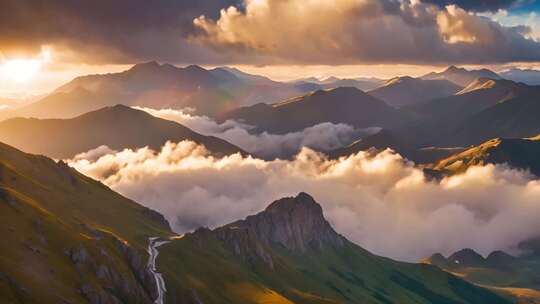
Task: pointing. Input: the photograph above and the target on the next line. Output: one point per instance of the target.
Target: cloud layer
(478, 5)
(120, 31)
(352, 31)
(382, 202)
(263, 31)
(322, 137)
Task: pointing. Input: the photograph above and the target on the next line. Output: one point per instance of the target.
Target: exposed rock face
(117, 284)
(139, 269)
(470, 258)
(296, 223)
(156, 216)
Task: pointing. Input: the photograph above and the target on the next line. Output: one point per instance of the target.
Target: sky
(44, 43)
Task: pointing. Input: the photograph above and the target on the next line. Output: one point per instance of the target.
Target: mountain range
(515, 275)
(527, 76)
(159, 86)
(485, 109)
(346, 105)
(431, 117)
(289, 253)
(118, 127)
(460, 76)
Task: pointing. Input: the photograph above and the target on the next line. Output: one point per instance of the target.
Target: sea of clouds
(321, 137)
(382, 202)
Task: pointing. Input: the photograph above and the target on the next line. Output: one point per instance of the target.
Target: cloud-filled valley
(382, 202)
(321, 137)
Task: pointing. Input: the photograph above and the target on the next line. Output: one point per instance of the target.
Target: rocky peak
(145, 67)
(295, 223)
(453, 69)
(436, 259)
(466, 258)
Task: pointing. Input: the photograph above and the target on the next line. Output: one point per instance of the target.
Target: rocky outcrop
(138, 266)
(295, 223)
(467, 258)
(125, 282)
(156, 217)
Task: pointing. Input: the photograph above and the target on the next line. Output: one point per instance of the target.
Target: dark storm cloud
(261, 32)
(119, 31)
(479, 5)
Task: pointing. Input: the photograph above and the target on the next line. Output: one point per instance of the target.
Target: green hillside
(290, 254)
(68, 238)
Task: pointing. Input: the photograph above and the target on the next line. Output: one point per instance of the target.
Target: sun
(23, 69)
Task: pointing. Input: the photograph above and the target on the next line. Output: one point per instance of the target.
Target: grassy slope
(347, 275)
(518, 276)
(517, 152)
(47, 209)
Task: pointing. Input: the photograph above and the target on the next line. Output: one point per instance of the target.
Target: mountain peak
(303, 202)
(294, 223)
(145, 66)
(490, 83)
(399, 79)
(338, 91)
(436, 259)
(195, 67)
(116, 109)
(453, 69)
(466, 257)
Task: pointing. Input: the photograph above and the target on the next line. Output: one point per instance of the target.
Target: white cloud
(322, 137)
(381, 202)
(353, 31)
(529, 19)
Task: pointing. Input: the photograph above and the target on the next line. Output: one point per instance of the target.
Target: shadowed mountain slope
(485, 109)
(514, 118)
(342, 105)
(388, 139)
(117, 127)
(405, 91)
(479, 95)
